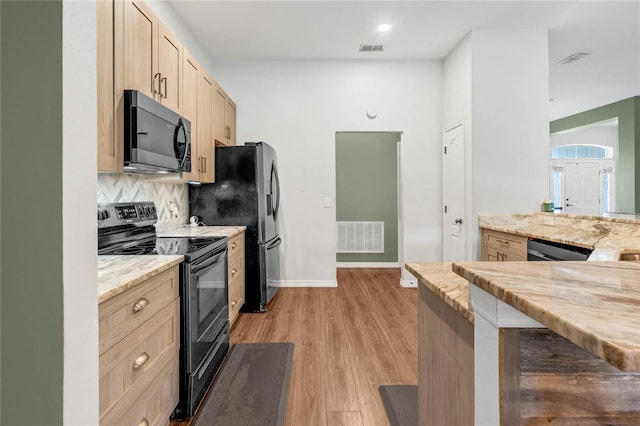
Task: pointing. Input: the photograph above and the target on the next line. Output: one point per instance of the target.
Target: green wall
(367, 188)
(31, 322)
(628, 169)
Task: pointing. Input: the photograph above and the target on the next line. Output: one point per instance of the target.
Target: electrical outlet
(327, 202)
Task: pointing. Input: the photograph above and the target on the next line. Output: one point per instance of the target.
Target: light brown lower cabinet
(236, 276)
(501, 246)
(445, 363)
(139, 344)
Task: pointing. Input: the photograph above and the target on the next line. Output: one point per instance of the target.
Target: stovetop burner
(128, 229)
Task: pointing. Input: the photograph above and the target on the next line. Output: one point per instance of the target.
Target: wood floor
(348, 341)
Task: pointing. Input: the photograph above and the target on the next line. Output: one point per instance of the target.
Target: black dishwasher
(542, 250)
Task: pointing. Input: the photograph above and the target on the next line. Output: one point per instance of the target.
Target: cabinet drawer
(236, 288)
(508, 244)
(139, 355)
(236, 246)
(122, 314)
(154, 403)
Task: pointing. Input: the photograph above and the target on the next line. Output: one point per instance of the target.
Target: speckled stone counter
(117, 274)
(203, 231)
(595, 305)
(607, 236)
(441, 280)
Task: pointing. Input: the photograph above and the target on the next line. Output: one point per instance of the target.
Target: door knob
(458, 221)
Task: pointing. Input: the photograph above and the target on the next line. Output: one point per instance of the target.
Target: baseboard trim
(367, 265)
(409, 283)
(307, 283)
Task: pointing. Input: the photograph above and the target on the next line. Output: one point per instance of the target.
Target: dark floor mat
(251, 388)
(401, 404)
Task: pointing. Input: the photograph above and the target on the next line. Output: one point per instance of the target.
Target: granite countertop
(607, 237)
(441, 280)
(202, 231)
(596, 305)
(117, 274)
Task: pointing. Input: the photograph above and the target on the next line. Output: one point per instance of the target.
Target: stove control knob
(103, 214)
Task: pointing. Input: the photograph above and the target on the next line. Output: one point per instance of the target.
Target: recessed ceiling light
(384, 27)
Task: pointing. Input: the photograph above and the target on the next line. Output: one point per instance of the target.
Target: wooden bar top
(595, 305)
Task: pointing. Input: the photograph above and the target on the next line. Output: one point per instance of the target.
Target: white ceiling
(610, 30)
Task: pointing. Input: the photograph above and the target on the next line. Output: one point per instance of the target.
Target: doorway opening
(583, 169)
(367, 199)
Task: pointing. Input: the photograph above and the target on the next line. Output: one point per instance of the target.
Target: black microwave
(156, 139)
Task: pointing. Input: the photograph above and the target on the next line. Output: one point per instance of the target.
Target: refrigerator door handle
(273, 244)
(274, 174)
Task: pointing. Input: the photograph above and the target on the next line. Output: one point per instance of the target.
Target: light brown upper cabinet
(224, 118)
(230, 121)
(197, 108)
(109, 151)
(206, 146)
(190, 110)
(151, 55)
(136, 51)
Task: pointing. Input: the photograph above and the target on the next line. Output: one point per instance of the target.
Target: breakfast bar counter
(593, 304)
(514, 310)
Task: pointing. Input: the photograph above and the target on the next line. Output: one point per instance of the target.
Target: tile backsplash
(117, 188)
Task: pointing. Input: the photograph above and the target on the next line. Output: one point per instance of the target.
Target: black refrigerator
(246, 192)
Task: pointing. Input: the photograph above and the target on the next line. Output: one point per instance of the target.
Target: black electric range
(128, 229)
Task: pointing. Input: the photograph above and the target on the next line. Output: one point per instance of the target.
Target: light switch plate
(327, 202)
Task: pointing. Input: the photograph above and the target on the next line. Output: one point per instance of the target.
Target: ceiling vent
(371, 48)
(573, 58)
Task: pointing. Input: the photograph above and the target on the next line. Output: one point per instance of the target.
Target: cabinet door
(109, 156)
(190, 109)
(230, 122)
(206, 145)
(219, 107)
(170, 63)
(140, 59)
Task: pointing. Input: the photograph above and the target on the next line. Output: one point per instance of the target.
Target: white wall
(497, 83)
(592, 135)
(80, 380)
(297, 106)
(510, 90)
(456, 108)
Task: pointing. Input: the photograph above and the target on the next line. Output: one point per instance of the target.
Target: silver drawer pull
(143, 422)
(141, 360)
(140, 305)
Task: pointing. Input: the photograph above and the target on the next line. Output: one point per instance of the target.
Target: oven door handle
(209, 261)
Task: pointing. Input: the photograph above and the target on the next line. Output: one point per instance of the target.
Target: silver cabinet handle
(141, 360)
(140, 305)
(458, 221)
(153, 84)
(164, 95)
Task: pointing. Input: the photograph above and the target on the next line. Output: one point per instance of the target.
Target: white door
(582, 188)
(453, 194)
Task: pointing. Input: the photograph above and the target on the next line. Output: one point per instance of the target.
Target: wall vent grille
(360, 237)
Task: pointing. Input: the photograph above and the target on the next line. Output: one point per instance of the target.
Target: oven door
(206, 305)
